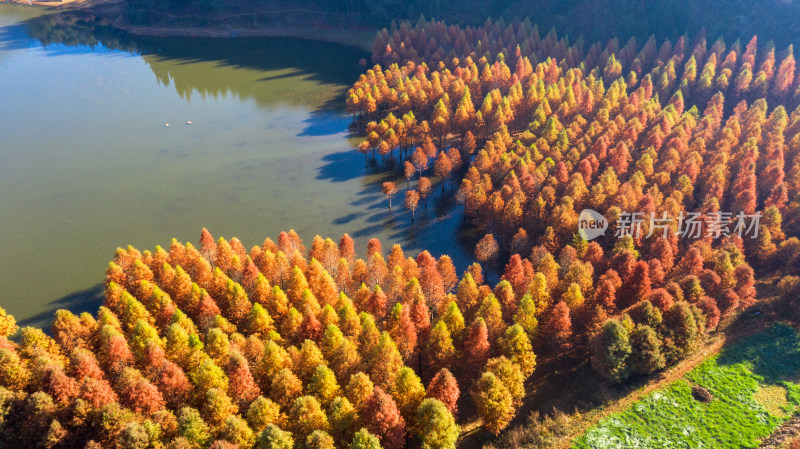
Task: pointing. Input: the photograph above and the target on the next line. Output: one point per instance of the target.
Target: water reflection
(239, 65)
(270, 150)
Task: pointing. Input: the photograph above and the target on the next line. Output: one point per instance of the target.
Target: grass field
(755, 384)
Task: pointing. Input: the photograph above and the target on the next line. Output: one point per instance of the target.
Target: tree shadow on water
(342, 166)
(347, 219)
(437, 227)
(88, 300)
(325, 122)
(13, 37)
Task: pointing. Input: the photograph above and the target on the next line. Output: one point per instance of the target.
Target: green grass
(734, 418)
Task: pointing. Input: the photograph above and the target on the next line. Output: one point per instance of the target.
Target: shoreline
(114, 12)
(352, 38)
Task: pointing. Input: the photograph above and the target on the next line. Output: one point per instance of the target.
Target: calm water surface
(87, 165)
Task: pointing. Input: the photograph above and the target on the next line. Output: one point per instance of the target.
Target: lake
(88, 165)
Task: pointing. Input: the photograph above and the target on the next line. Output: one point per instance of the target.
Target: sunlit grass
(755, 388)
(773, 398)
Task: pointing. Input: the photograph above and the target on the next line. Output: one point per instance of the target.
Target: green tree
(261, 413)
(525, 315)
(307, 360)
(274, 359)
(272, 437)
(440, 350)
(408, 393)
(437, 429)
(259, 321)
(208, 375)
(510, 374)
(286, 387)
(454, 320)
(319, 439)
(611, 350)
(236, 430)
(342, 417)
(516, 346)
(340, 352)
(365, 440)
(386, 362)
(323, 385)
(359, 389)
(217, 407)
(192, 427)
(682, 330)
(646, 356)
(492, 314)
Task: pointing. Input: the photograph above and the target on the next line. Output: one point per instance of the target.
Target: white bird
(166, 125)
(189, 122)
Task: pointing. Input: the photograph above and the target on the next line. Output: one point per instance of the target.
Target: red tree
(173, 384)
(412, 202)
(444, 387)
(557, 328)
(476, 346)
(390, 190)
(242, 387)
(382, 417)
(347, 249)
(138, 393)
(660, 298)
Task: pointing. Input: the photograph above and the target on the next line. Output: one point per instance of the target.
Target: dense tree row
(222, 347)
(699, 68)
(620, 130)
(602, 20)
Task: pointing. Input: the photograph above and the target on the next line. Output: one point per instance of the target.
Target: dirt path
(735, 332)
(788, 431)
(568, 386)
(666, 378)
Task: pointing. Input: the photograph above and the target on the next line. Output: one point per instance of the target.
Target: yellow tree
(494, 403)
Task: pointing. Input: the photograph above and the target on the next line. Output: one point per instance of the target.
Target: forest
(532, 130)
(294, 344)
(266, 347)
(593, 20)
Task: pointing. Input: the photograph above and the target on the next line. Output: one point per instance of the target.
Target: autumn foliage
(216, 345)
(283, 345)
(545, 128)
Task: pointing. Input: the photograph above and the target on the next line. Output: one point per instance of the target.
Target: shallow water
(87, 163)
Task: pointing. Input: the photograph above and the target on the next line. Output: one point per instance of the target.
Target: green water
(87, 163)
